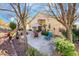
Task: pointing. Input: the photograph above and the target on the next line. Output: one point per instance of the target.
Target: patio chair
(49, 36)
(35, 34)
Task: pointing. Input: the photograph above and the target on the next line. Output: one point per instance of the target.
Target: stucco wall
(52, 21)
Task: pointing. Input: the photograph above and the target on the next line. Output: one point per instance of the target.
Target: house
(50, 22)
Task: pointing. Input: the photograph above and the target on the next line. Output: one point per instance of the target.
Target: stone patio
(42, 45)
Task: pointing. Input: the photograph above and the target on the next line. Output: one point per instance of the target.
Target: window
(42, 21)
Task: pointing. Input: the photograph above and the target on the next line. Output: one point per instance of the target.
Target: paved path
(42, 45)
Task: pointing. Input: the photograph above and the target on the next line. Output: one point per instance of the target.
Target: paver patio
(42, 45)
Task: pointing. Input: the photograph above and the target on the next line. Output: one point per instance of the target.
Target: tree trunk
(25, 39)
(69, 34)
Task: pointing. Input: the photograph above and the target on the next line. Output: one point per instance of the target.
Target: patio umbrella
(36, 25)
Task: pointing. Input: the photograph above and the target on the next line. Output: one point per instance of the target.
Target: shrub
(12, 25)
(45, 33)
(33, 52)
(74, 53)
(65, 47)
(64, 33)
(37, 30)
(75, 34)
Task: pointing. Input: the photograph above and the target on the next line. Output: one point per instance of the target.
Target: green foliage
(45, 33)
(33, 52)
(75, 34)
(12, 25)
(73, 53)
(37, 30)
(75, 37)
(64, 33)
(65, 47)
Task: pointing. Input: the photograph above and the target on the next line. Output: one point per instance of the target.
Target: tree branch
(15, 10)
(6, 10)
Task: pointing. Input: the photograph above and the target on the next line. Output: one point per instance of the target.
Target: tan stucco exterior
(49, 20)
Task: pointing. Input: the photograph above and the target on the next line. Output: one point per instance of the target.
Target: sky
(6, 16)
(9, 16)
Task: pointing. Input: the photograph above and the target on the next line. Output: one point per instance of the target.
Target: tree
(22, 14)
(65, 14)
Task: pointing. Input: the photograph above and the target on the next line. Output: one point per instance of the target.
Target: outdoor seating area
(48, 35)
(40, 43)
(31, 33)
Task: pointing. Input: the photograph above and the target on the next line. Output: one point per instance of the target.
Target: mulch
(6, 46)
(18, 47)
